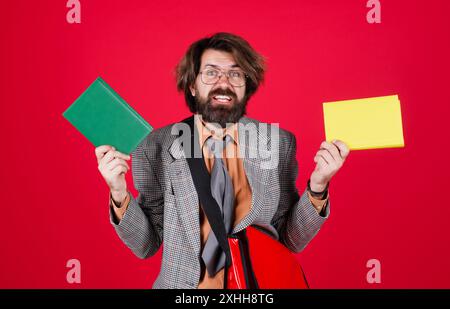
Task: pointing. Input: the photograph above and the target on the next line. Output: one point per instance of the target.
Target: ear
(192, 89)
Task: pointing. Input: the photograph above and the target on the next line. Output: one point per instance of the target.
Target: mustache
(221, 91)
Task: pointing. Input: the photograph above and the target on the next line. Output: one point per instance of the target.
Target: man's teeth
(223, 98)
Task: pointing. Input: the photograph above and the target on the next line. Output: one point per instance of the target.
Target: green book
(104, 118)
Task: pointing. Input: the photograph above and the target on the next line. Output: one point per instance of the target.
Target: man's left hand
(329, 159)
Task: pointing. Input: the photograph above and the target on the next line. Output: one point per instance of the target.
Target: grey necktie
(223, 192)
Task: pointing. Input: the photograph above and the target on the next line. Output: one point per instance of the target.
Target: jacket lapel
(185, 195)
(249, 136)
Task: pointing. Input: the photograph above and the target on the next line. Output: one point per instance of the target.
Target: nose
(223, 80)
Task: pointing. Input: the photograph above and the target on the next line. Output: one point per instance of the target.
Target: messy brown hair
(251, 62)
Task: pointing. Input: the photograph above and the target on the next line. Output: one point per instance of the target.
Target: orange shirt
(242, 190)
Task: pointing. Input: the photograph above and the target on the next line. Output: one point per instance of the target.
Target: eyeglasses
(235, 77)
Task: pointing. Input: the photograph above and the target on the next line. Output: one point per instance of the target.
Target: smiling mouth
(225, 99)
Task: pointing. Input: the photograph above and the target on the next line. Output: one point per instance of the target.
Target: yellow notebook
(365, 123)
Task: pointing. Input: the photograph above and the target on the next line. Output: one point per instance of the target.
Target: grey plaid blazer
(166, 209)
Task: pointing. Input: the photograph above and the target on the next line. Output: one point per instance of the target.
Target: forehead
(217, 58)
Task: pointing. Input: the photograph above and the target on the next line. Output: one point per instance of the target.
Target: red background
(387, 204)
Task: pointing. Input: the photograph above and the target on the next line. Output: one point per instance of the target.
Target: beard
(221, 114)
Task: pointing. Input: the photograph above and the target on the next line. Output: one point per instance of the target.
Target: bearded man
(218, 75)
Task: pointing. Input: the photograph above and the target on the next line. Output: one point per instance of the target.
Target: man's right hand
(113, 167)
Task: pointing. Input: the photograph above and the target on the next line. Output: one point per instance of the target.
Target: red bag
(259, 261)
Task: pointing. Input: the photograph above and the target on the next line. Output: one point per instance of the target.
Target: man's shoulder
(157, 141)
(162, 134)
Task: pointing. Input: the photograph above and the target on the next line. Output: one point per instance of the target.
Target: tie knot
(216, 146)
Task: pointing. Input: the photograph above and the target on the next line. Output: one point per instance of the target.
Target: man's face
(220, 102)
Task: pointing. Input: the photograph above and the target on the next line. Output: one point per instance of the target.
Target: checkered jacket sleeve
(296, 220)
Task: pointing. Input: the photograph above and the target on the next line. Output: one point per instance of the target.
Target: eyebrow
(218, 66)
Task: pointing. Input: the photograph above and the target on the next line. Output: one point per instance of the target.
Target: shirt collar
(206, 129)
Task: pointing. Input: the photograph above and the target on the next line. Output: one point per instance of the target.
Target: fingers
(104, 159)
(100, 151)
(116, 162)
(320, 161)
(332, 149)
(108, 157)
(120, 169)
(330, 158)
(343, 148)
(338, 150)
(332, 153)
(326, 156)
